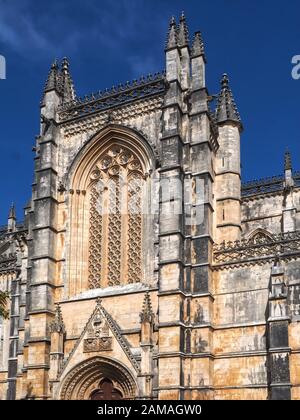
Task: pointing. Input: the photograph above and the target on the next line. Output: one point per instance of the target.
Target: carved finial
(225, 81)
(226, 107)
(198, 45)
(183, 32)
(99, 302)
(57, 325)
(287, 161)
(147, 314)
(172, 35)
(65, 64)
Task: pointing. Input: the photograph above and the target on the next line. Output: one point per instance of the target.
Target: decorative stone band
(261, 246)
(8, 262)
(145, 87)
(120, 115)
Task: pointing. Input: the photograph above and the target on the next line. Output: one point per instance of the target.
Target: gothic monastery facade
(200, 303)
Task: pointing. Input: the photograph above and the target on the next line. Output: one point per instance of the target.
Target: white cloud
(64, 27)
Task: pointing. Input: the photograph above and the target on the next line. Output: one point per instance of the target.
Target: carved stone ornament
(98, 335)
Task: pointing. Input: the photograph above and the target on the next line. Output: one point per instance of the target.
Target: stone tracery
(115, 242)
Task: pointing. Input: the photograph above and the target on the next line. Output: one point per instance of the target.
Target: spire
(288, 161)
(67, 86)
(198, 45)
(11, 223)
(289, 182)
(52, 81)
(172, 35)
(226, 107)
(60, 80)
(12, 212)
(57, 325)
(183, 32)
(147, 314)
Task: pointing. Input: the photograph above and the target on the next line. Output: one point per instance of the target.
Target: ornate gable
(101, 336)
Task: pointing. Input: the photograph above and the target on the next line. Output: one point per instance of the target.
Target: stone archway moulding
(84, 378)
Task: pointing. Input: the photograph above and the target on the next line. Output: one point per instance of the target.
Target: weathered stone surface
(198, 298)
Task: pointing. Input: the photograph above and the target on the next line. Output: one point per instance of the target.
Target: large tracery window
(115, 219)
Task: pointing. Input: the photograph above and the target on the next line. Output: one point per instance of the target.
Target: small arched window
(260, 235)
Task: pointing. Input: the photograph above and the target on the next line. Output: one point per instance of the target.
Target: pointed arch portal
(99, 378)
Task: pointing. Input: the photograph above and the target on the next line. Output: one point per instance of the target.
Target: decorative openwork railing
(267, 185)
(138, 89)
(262, 186)
(260, 247)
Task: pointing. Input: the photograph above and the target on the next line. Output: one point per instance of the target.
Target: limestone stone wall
(266, 212)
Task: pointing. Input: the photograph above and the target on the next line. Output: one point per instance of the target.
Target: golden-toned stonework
(126, 280)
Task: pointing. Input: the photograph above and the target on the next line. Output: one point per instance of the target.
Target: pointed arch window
(115, 219)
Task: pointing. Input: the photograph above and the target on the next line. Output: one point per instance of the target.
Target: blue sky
(113, 41)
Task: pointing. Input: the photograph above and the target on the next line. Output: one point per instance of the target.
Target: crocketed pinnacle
(197, 45)
(52, 80)
(59, 80)
(183, 32)
(147, 314)
(172, 39)
(226, 108)
(12, 212)
(57, 325)
(67, 86)
(287, 161)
